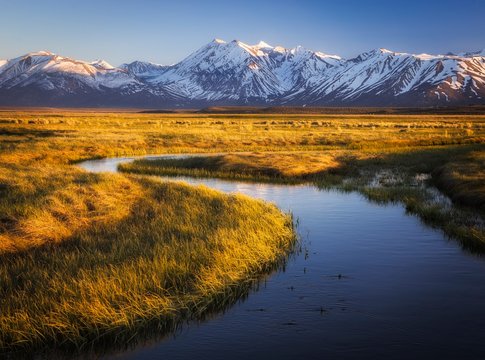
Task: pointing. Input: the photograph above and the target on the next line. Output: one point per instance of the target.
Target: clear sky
(167, 31)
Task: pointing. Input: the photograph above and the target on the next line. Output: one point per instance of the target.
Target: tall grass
(263, 167)
(463, 179)
(177, 252)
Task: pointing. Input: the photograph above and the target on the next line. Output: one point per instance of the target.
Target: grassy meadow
(88, 258)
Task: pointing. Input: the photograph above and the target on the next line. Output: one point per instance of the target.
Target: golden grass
(176, 252)
(314, 165)
(281, 164)
(89, 257)
(37, 148)
(80, 135)
(47, 204)
(260, 166)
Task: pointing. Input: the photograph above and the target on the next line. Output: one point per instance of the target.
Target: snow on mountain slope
(102, 64)
(223, 70)
(237, 73)
(43, 78)
(144, 70)
(2, 63)
(240, 72)
(49, 71)
(391, 76)
(379, 71)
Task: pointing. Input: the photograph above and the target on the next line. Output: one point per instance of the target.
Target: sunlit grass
(94, 257)
(262, 166)
(175, 252)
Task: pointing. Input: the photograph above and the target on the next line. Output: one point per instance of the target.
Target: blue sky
(167, 31)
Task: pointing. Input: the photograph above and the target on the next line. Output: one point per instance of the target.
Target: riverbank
(102, 259)
(405, 176)
(176, 253)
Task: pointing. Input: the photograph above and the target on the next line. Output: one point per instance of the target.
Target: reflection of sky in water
(404, 290)
(104, 165)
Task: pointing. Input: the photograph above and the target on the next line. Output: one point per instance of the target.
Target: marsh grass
(225, 166)
(463, 179)
(385, 176)
(177, 252)
(98, 258)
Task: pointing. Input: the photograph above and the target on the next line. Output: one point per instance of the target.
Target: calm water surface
(371, 283)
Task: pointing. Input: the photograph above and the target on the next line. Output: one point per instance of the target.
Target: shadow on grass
(31, 133)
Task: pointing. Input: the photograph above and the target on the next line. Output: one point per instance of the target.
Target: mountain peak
(374, 53)
(298, 49)
(40, 53)
(102, 64)
(386, 51)
(218, 41)
(262, 45)
(254, 50)
(428, 56)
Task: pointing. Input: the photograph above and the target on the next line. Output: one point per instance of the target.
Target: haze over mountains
(234, 73)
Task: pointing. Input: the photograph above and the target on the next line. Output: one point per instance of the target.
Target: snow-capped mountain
(44, 78)
(383, 76)
(49, 71)
(235, 73)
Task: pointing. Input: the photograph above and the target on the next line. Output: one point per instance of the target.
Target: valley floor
(98, 257)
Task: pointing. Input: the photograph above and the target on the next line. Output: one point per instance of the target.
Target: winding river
(370, 283)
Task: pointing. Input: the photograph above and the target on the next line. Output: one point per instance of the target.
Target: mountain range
(235, 73)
